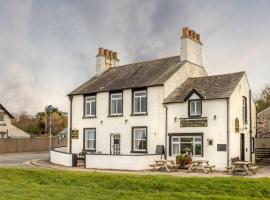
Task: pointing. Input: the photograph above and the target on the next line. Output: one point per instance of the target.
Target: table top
(164, 161)
(200, 161)
(241, 163)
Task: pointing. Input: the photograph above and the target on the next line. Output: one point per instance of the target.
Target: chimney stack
(105, 59)
(191, 47)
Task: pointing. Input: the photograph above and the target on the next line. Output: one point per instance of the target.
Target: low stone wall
(121, 162)
(61, 157)
(15, 145)
(263, 142)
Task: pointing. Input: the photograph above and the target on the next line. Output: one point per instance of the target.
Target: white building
(123, 113)
(7, 130)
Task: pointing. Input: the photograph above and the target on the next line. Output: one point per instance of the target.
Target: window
(244, 109)
(116, 104)
(195, 107)
(139, 139)
(90, 106)
(139, 102)
(1, 117)
(90, 139)
(252, 145)
(180, 144)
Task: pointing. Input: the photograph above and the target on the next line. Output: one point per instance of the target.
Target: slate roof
(209, 87)
(142, 74)
(5, 110)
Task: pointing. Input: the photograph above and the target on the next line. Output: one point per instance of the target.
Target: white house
(7, 130)
(124, 114)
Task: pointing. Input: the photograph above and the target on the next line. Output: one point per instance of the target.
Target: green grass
(52, 185)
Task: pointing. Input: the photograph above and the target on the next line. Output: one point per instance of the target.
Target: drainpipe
(228, 131)
(250, 127)
(70, 124)
(166, 131)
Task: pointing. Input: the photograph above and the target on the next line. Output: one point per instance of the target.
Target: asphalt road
(21, 158)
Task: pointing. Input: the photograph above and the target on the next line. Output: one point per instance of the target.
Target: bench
(235, 159)
(211, 167)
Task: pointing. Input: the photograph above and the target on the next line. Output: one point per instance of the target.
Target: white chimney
(105, 60)
(191, 47)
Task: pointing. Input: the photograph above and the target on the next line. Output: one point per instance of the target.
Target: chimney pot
(100, 51)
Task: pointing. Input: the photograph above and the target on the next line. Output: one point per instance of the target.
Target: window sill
(139, 114)
(89, 117)
(139, 152)
(195, 116)
(115, 115)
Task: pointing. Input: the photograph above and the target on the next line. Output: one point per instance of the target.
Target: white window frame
(140, 99)
(133, 138)
(193, 142)
(2, 117)
(116, 99)
(196, 111)
(85, 140)
(89, 100)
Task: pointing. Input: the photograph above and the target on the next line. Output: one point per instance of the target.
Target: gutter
(228, 131)
(70, 124)
(166, 131)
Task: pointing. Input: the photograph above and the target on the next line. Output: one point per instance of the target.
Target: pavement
(41, 160)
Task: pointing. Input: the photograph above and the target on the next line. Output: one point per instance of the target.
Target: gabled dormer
(194, 104)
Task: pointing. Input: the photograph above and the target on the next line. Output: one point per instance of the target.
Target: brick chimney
(191, 47)
(105, 59)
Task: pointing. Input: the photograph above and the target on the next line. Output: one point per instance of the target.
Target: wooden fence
(14, 145)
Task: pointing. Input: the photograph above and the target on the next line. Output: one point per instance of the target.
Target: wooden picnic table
(243, 166)
(200, 165)
(164, 165)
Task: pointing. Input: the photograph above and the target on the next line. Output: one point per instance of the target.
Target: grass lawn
(52, 185)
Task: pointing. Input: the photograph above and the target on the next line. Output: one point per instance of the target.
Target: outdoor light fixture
(101, 122)
(215, 117)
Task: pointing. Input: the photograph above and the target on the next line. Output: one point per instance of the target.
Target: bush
(183, 159)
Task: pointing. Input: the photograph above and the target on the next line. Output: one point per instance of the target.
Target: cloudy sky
(48, 47)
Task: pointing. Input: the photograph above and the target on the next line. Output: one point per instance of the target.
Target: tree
(263, 101)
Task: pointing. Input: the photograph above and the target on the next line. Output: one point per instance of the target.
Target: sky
(48, 47)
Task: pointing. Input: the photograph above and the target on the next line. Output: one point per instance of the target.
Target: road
(21, 158)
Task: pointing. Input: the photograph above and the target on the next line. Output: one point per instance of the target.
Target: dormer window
(195, 108)
(90, 106)
(1, 117)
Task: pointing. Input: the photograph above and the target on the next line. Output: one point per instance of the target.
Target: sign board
(221, 147)
(75, 134)
(160, 149)
(202, 122)
(236, 125)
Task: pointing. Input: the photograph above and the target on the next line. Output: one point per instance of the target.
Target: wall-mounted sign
(221, 147)
(202, 122)
(236, 125)
(75, 134)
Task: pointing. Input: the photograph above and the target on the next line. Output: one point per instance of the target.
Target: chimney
(191, 47)
(105, 59)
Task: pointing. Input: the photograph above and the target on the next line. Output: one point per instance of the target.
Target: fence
(14, 145)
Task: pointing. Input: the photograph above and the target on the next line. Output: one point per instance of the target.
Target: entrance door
(115, 144)
(242, 147)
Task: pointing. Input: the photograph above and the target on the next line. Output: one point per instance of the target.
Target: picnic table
(164, 165)
(243, 166)
(201, 165)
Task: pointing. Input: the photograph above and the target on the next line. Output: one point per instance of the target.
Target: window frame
(172, 135)
(133, 150)
(85, 115)
(110, 104)
(84, 141)
(244, 110)
(2, 117)
(189, 107)
(133, 101)
(252, 144)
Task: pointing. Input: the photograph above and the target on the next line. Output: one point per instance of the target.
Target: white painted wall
(241, 90)
(188, 70)
(155, 121)
(122, 162)
(191, 51)
(60, 157)
(216, 129)
(13, 131)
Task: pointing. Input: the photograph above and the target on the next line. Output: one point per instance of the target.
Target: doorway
(115, 144)
(242, 147)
